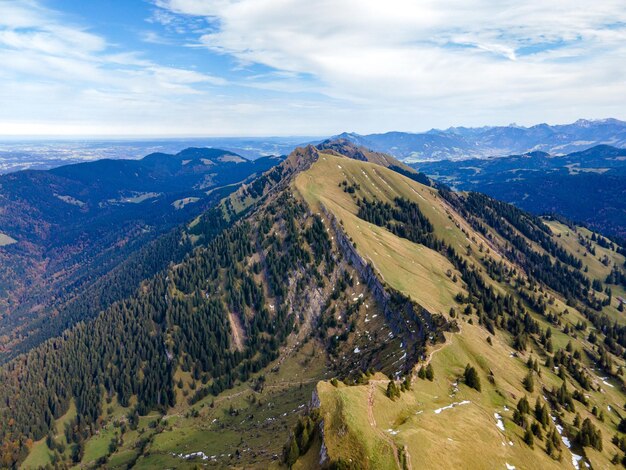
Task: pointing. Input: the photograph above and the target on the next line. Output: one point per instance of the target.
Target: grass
(98, 445)
(347, 408)
(596, 269)
(65, 419)
(412, 268)
(568, 239)
(254, 432)
(464, 436)
(40, 455)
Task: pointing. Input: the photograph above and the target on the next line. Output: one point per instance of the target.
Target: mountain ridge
(459, 143)
(307, 313)
(587, 186)
(75, 223)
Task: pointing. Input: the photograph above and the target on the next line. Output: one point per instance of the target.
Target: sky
(305, 67)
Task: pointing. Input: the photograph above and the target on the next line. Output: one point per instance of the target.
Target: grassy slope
(568, 239)
(467, 435)
(40, 454)
(257, 429)
(414, 269)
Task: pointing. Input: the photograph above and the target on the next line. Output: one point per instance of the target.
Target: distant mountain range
(22, 154)
(457, 143)
(336, 312)
(587, 186)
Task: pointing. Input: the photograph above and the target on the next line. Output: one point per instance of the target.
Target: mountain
(336, 312)
(69, 226)
(458, 143)
(43, 154)
(587, 186)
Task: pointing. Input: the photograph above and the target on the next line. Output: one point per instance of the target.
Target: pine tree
(529, 382)
(393, 391)
(430, 373)
(293, 452)
(523, 406)
(471, 378)
(529, 439)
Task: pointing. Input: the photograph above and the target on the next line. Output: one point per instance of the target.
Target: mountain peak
(347, 148)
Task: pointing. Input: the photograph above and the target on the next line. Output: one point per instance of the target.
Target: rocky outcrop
(406, 318)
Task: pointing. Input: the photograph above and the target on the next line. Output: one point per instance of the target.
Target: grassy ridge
(418, 424)
(414, 269)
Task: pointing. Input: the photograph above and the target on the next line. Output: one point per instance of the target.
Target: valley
(73, 229)
(340, 311)
(586, 187)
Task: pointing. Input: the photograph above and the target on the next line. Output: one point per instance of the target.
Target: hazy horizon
(161, 137)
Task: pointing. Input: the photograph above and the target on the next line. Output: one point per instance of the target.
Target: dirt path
(237, 330)
(372, 421)
(439, 348)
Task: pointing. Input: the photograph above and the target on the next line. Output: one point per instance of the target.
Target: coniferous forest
(219, 297)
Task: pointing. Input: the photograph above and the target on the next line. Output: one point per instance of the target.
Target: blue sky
(296, 67)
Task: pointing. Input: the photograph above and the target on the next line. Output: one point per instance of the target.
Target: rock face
(408, 320)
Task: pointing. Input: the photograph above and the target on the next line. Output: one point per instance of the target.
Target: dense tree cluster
(518, 228)
(177, 319)
(471, 378)
(589, 435)
(404, 219)
(301, 437)
(616, 276)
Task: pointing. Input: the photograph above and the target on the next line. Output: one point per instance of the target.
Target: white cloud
(435, 62)
(326, 66)
(60, 76)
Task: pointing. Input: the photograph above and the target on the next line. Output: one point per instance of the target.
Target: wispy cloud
(56, 71)
(313, 67)
(437, 61)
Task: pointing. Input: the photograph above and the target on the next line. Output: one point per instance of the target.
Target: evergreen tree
(430, 373)
(471, 378)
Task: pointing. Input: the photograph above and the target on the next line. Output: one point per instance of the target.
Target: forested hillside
(588, 186)
(99, 227)
(338, 312)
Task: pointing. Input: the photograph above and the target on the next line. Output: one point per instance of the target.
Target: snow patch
(193, 455)
(605, 382)
(452, 405)
(499, 423)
